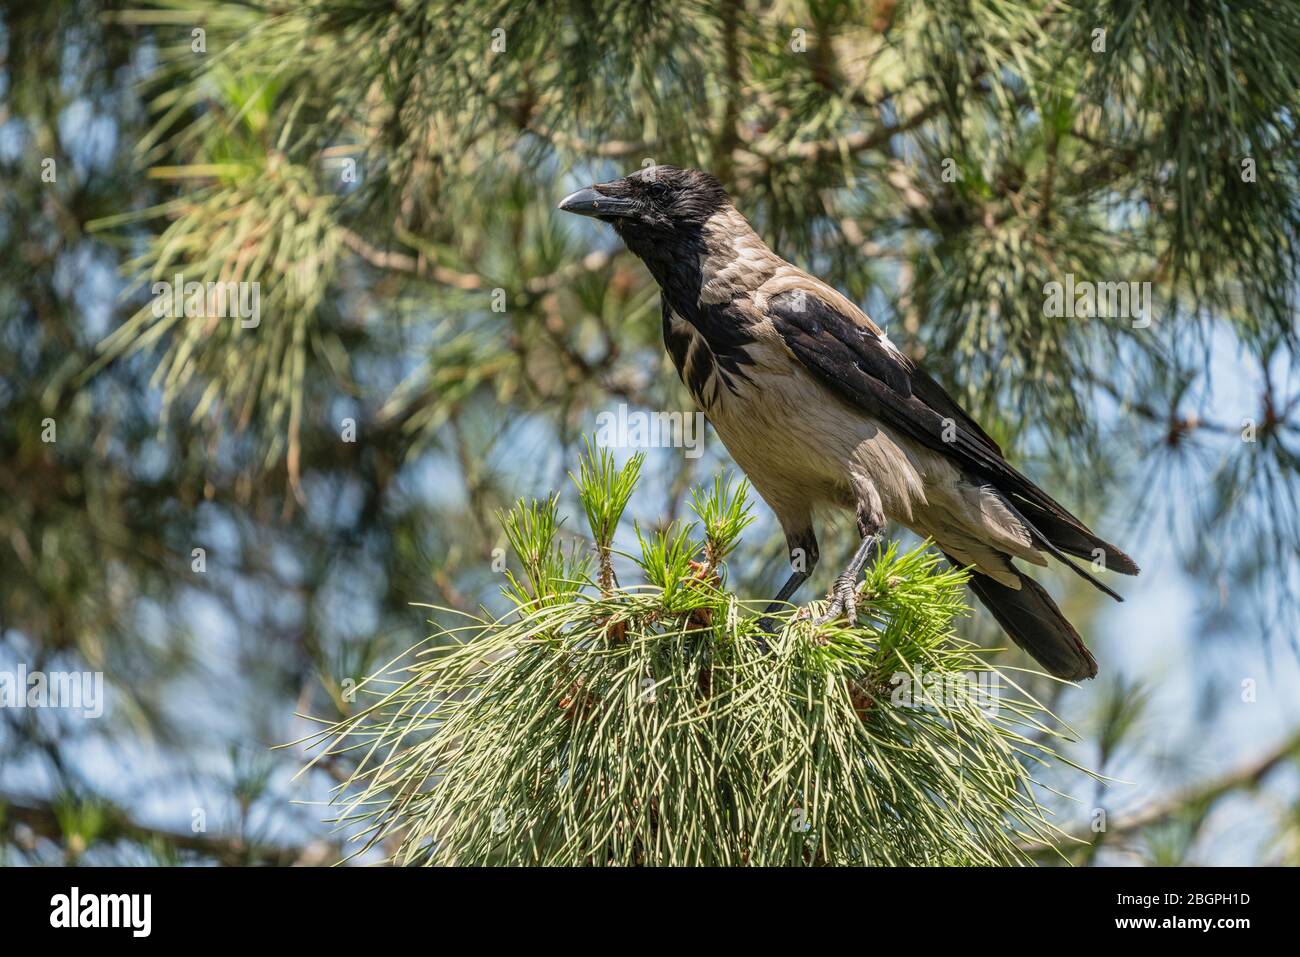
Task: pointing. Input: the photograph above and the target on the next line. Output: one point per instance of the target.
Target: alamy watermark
(133, 912)
(636, 429)
(203, 300)
(1084, 299)
(936, 691)
(81, 691)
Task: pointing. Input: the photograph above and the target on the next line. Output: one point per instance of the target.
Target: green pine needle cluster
(645, 724)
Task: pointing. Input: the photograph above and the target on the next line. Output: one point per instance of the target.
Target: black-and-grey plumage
(819, 408)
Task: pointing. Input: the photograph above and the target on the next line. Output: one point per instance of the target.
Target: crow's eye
(658, 190)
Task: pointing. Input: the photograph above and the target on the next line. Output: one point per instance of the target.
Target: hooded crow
(820, 409)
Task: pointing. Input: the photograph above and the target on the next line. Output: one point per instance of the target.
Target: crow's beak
(588, 202)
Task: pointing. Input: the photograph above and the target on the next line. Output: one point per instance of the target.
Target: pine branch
(113, 825)
(643, 724)
(403, 262)
(1200, 796)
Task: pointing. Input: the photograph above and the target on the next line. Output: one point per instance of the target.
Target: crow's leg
(803, 559)
(844, 593)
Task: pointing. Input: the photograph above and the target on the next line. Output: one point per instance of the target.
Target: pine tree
(434, 341)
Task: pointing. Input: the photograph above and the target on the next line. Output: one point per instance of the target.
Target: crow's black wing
(855, 364)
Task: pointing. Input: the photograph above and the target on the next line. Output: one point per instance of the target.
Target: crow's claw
(844, 601)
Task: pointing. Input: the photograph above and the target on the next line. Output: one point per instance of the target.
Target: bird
(822, 411)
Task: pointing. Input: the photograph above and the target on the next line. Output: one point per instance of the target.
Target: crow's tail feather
(1071, 536)
(1034, 623)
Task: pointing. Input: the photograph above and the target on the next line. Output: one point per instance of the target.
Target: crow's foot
(843, 601)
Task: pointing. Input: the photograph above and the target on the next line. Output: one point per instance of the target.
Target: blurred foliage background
(434, 340)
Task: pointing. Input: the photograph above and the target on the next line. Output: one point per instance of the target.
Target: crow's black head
(655, 205)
